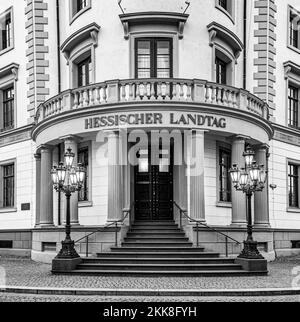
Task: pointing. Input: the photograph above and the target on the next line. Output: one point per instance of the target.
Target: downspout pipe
(59, 91)
(58, 45)
(245, 47)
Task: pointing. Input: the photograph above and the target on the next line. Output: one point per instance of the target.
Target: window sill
(224, 204)
(7, 210)
(228, 14)
(85, 204)
(297, 50)
(4, 51)
(293, 210)
(79, 13)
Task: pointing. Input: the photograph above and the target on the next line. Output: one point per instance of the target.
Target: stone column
(71, 143)
(261, 199)
(239, 217)
(195, 173)
(115, 200)
(38, 189)
(46, 188)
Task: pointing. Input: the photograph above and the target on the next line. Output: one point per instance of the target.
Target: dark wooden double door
(154, 189)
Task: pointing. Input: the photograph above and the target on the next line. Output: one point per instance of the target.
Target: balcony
(160, 91)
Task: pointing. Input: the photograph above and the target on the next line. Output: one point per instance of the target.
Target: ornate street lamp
(249, 180)
(68, 179)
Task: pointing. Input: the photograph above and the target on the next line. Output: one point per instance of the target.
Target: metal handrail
(114, 223)
(198, 222)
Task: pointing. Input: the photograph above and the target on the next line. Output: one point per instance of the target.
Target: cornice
(217, 30)
(153, 17)
(90, 31)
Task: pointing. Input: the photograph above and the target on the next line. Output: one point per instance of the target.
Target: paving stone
(22, 272)
(44, 298)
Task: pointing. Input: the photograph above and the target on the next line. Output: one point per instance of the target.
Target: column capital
(239, 137)
(70, 138)
(112, 133)
(44, 148)
(199, 131)
(262, 147)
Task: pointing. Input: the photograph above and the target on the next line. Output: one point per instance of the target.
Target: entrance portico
(196, 119)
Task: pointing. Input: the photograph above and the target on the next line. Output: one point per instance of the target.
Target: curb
(148, 293)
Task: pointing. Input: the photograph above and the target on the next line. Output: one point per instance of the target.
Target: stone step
(154, 227)
(156, 254)
(160, 230)
(159, 267)
(160, 239)
(146, 260)
(159, 244)
(155, 222)
(163, 273)
(157, 249)
(156, 235)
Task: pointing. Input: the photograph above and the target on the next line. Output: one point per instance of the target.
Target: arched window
(79, 51)
(228, 7)
(226, 49)
(78, 7)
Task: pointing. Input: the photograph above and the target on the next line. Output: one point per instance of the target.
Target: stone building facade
(228, 72)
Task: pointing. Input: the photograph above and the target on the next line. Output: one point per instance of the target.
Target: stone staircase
(159, 248)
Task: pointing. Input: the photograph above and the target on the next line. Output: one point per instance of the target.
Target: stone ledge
(253, 265)
(25, 253)
(150, 292)
(65, 265)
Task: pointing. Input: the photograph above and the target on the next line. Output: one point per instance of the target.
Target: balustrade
(152, 90)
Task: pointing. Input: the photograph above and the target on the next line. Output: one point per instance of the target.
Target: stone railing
(152, 90)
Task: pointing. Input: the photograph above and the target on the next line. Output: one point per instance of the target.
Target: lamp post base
(67, 260)
(250, 251)
(68, 250)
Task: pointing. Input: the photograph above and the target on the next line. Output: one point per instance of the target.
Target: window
(83, 158)
(8, 109)
(6, 28)
(223, 4)
(293, 184)
(154, 58)
(294, 32)
(294, 29)
(8, 186)
(293, 98)
(221, 71)
(227, 6)
(224, 176)
(224, 67)
(77, 7)
(81, 4)
(85, 72)
(8, 102)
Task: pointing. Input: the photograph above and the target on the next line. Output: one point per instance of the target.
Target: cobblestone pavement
(22, 272)
(5, 298)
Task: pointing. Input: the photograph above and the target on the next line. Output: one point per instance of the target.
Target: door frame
(133, 178)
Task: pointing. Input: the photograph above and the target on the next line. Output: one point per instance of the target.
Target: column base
(239, 225)
(46, 226)
(262, 225)
(75, 224)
